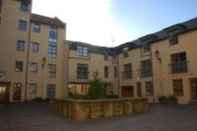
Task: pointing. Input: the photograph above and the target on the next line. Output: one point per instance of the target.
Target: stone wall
(93, 109)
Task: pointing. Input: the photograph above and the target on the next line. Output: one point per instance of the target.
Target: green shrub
(97, 89)
(168, 100)
(70, 94)
(172, 99)
(163, 99)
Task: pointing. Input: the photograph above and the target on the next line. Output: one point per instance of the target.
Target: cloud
(87, 20)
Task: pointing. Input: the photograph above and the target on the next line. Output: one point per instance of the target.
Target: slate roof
(47, 20)
(142, 41)
(161, 35)
(91, 48)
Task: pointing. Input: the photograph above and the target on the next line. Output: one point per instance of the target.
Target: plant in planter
(97, 89)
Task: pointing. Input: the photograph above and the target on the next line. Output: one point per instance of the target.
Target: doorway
(17, 92)
(194, 89)
(139, 89)
(4, 93)
(127, 91)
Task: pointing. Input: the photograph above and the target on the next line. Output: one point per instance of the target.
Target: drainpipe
(154, 95)
(118, 75)
(28, 53)
(67, 68)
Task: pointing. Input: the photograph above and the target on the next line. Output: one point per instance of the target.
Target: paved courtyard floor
(36, 117)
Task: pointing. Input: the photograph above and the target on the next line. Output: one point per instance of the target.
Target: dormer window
(125, 52)
(146, 48)
(106, 57)
(173, 39)
(82, 51)
(173, 32)
(175, 29)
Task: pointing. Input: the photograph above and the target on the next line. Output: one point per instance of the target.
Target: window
(36, 27)
(106, 57)
(127, 73)
(51, 90)
(22, 25)
(24, 5)
(178, 87)
(139, 89)
(35, 47)
(84, 89)
(20, 45)
(149, 88)
(52, 34)
(179, 63)
(173, 39)
(125, 54)
(52, 50)
(33, 67)
(146, 68)
(82, 51)
(52, 70)
(17, 90)
(19, 66)
(146, 48)
(115, 71)
(33, 89)
(106, 72)
(82, 71)
(127, 91)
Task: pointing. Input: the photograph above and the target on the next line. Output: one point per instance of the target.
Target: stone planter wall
(93, 109)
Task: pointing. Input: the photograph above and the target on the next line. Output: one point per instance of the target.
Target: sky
(113, 22)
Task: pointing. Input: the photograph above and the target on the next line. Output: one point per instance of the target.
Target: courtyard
(36, 117)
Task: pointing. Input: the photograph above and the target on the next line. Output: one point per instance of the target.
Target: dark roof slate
(91, 48)
(47, 20)
(160, 35)
(142, 41)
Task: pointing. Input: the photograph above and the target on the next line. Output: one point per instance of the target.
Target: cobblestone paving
(36, 117)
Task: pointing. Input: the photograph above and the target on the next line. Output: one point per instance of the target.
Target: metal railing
(179, 67)
(126, 75)
(145, 73)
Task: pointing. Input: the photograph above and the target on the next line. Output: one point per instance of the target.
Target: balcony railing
(179, 67)
(145, 73)
(126, 75)
(82, 75)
